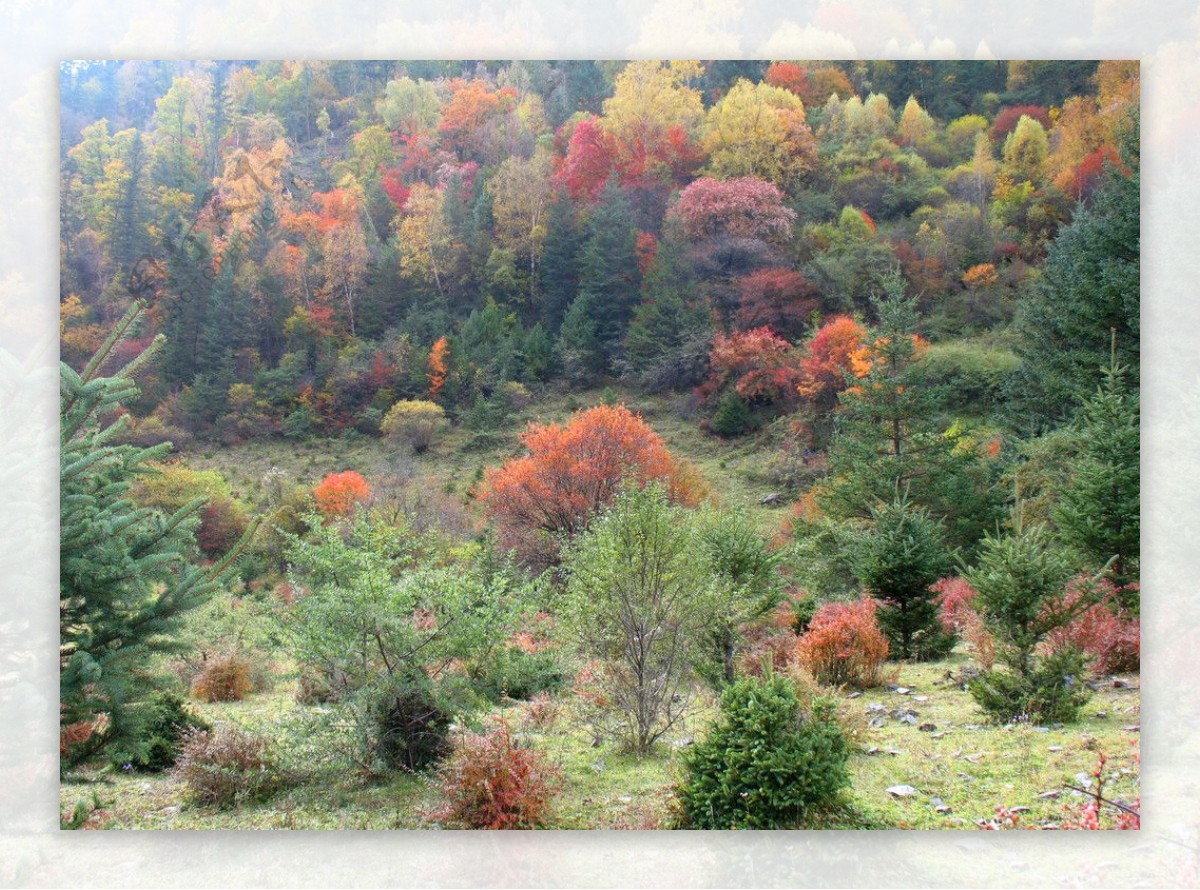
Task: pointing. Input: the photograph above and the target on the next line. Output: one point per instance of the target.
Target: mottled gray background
(1164, 35)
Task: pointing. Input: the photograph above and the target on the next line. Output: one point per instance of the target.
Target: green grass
(970, 766)
(734, 469)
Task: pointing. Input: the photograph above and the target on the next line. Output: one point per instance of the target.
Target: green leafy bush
(512, 672)
(767, 762)
(1052, 692)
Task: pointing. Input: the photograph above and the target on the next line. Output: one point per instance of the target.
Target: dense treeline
(307, 232)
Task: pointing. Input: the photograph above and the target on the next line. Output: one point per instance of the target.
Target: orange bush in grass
(573, 470)
(844, 645)
(337, 493)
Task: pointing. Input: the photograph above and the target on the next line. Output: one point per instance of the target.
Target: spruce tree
(1099, 513)
(889, 440)
(897, 558)
(127, 573)
(1088, 288)
(608, 269)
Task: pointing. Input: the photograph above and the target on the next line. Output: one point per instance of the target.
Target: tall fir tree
(608, 269)
(888, 440)
(559, 271)
(1099, 512)
(1089, 287)
(127, 573)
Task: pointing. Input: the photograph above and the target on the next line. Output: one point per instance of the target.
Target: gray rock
(902, 791)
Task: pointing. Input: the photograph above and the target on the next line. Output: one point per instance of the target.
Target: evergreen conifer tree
(127, 573)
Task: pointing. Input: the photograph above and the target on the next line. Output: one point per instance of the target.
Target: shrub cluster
(164, 721)
(414, 422)
(227, 677)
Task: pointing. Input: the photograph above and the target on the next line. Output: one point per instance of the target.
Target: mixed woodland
(572, 444)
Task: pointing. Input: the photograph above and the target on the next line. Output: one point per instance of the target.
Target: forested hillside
(520, 409)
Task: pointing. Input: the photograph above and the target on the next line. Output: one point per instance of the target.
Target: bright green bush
(767, 762)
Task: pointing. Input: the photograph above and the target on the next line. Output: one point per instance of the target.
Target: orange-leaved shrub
(225, 677)
(493, 782)
(844, 644)
(571, 471)
(337, 493)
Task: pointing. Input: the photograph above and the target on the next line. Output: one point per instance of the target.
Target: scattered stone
(902, 690)
(1040, 728)
(876, 722)
(893, 752)
(909, 718)
(921, 698)
(1083, 779)
(872, 750)
(770, 499)
(625, 798)
(1121, 684)
(874, 707)
(939, 735)
(926, 727)
(1019, 809)
(855, 694)
(1050, 795)
(1133, 727)
(902, 791)
(943, 810)
(170, 811)
(1102, 714)
(1055, 748)
(684, 741)
(973, 758)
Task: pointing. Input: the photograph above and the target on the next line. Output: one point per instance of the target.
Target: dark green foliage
(803, 609)
(897, 558)
(512, 672)
(733, 416)
(412, 726)
(127, 574)
(609, 277)
(1099, 514)
(1089, 291)
(559, 269)
(165, 720)
(766, 763)
(670, 316)
(889, 439)
(1021, 579)
(744, 585)
(1053, 692)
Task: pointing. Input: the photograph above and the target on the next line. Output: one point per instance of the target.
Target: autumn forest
(572, 444)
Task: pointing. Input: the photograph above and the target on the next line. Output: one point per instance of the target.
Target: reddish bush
(761, 366)
(492, 782)
(224, 678)
(844, 645)
(781, 299)
(1105, 631)
(574, 470)
(337, 493)
(224, 766)
(955, 598)
(222, 522)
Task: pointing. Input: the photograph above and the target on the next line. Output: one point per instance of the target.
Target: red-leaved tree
(760, 365)
(745, 207)
(337, 493)
(573, 470)
(781, 299)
